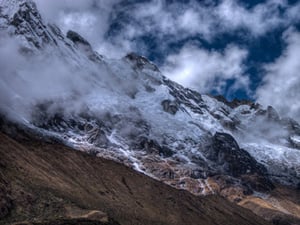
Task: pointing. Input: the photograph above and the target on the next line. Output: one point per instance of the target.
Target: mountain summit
(60, 90)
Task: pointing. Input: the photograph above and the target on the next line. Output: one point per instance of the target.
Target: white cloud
(194, 67)
(205, 70)
(26, 81)
(51, 9)
(184, 20)
(168, 22)
(258, 20)
(281, 85)
(89, 18)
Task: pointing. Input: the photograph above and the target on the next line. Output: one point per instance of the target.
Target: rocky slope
(50, 182)
(126, 110)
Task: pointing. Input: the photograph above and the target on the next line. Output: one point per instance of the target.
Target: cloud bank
(114, 26)
(208, 70)
(28, 80)
(281, 84)
(90, 18)
(117, 27)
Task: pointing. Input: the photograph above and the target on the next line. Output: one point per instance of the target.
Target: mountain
(56, 88)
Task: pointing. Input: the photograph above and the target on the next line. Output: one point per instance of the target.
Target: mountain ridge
(126, 110)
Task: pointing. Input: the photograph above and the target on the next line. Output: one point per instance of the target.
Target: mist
(262, 129)
(35, 77)
(193, 65)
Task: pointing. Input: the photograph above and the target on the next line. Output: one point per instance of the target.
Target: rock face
(76, 38)
(84, 46)
(231, 158)
(140, 62)
(29, 24)
(170, 106)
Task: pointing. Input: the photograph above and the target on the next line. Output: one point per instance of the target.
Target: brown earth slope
(50, 182)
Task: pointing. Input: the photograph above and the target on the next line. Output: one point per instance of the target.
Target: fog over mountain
(193, 41)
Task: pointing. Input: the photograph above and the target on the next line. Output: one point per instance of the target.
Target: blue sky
(239, 49)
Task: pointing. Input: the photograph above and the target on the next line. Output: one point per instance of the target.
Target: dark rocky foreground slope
(45, 181)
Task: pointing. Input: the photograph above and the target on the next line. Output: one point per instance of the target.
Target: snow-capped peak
(10, 7)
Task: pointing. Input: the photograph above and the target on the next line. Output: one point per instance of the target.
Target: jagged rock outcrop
(140, 62)
(29, 24)
(229, 159)
(170, 106)
(77, 39)
(151, 146)
(84, 46)
(227, 154)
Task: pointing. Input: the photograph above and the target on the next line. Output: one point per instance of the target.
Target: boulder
(76, 38)
(141, 62)
(170, 106)
(152, 146)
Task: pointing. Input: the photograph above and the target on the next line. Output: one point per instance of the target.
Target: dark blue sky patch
(252, 3)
